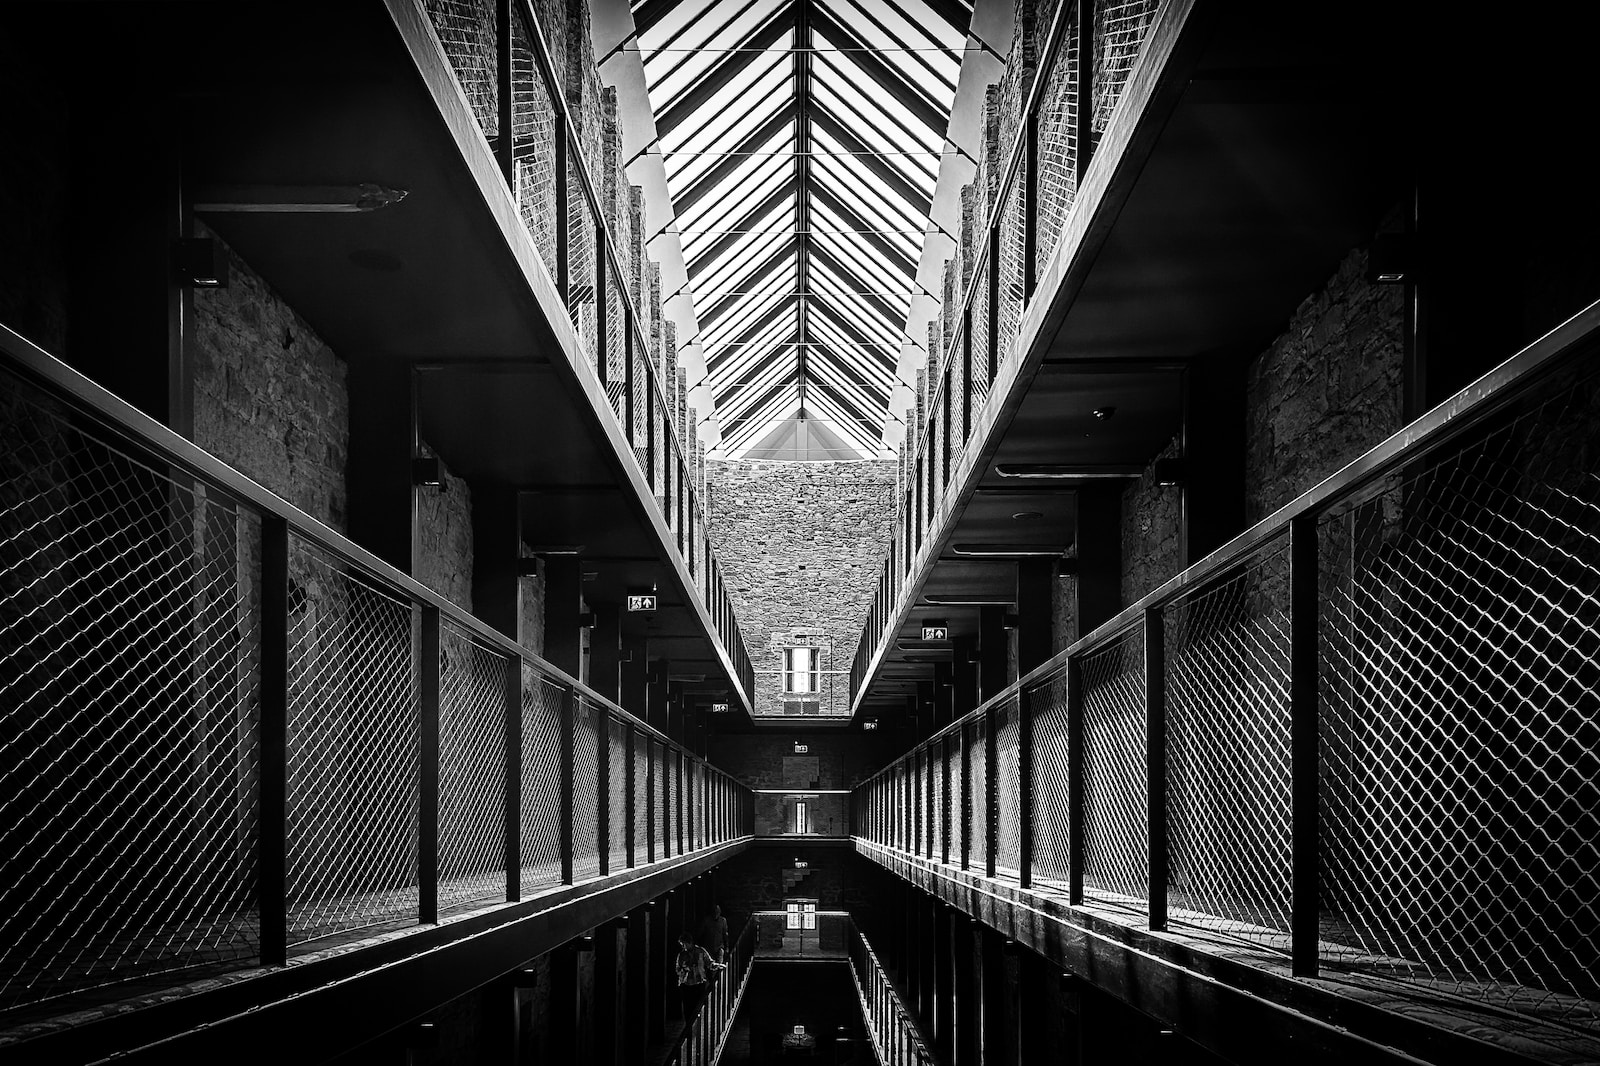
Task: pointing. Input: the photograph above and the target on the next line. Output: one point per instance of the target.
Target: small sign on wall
(719, 708)
(645, 601)
(801, 864)
(801, 749)
(935, 629)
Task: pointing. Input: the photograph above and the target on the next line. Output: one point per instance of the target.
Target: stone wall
(1152, 531)
(800, 545)
(1329, 387)
(269, 395)
(443, 552)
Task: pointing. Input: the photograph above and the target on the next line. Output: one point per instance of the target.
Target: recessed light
(1027, 516)
(1103, 413)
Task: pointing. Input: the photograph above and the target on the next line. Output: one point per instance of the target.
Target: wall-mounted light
(427, 472)
(1169, 471)
(1006, 551)
(1392, 259)
(1068, 471)
(1103, 413)
(198, 263)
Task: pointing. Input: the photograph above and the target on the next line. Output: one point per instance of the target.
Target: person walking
(694, 968)
(714, 935)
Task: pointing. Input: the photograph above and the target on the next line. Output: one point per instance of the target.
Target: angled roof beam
(720, 75)
(751, 374)
(955, 12)
(756, 409)
(731, 162)
(891, 178)
(873, 389)
(689, 54)
(897, 256)
(726, 350)
(909, 96)
(734, 234)
(746, 284)
(878, 303)
(647, 14)
(880, 352)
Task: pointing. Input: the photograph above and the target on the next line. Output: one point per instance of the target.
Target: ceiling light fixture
(1006, 551)
(1069, 471)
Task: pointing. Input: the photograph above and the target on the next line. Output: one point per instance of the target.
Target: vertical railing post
(1304, 754)
(1156, 762)
(428, 768)
(563, 216)
(1075, 764)
(602, 325)
(631, 824)
(602, 767)
(505, 149)
(1030, 194)
(567, 726)
(991, 790)
(272, 865)
(513, 780)
(649, 800)
(1025, 778)
(966, 800)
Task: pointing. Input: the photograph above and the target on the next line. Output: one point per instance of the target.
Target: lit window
(801, 671)
(800, 817)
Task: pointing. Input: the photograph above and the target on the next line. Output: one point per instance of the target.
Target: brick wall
(842, 760)
(1327, 389)
(1152, 531)
(800, 545)
(269, 395)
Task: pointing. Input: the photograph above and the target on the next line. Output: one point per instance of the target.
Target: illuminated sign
(801, 864)
(870, 723)
(801, 749)
(935, 632)
(719, 708)
(642, 602)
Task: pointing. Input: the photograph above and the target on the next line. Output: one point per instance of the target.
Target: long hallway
(1074, 523)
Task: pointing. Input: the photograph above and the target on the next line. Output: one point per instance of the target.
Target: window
(800, 817)
(801, 670)
(801, 915)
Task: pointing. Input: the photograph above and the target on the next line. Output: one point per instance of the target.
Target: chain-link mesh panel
(466, 29)
(542, 701)
(977, 793)
(1013, 288)
(1227, 715)
(587, 726)
(1115, 828)
(641, 798)
(617, 793)
(1057, 161)
(1119, 32)
(1460, 648)
(1008, 787)
(981, 354)
(1052, 805)
(918, 804)
(641, 407)
(939, 812)
(674, 764)
(352, 751)
(616, 353)
(472, 770)
(581, 295)
(128, 703)
(957, 798)
(658, 797)
(534, 124)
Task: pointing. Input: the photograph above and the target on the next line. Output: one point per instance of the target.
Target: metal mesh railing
(473, 681)
(956, 798)
(1460, 687)
(542, 702)
(466, 29)
(582, 257)
(1058, 155)
(1115, 829)
(1228, 786)
(587, 726)
(938, 817)
(1052, 778)
(976, 791)
(1007, 787)
(352, 751)
(658, 798)
(617, 794)
(128, 772)
(534, 125)
(1119, 33)
(641, 798)
(1013, 282)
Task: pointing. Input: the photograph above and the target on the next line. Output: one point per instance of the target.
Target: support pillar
(965, 941)
(1036, 581)
(944, 981)
(632, 676)
(656, 975)
(1099, 556)
(382, 502)
(992, 653)
(638, 963)
(1214, 422)
(605, 650)
(496, 551)
(563, 603)
(655, 697)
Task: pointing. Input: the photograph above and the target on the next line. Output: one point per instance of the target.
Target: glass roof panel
(801, 141)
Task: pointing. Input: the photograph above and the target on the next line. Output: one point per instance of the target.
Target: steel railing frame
(1293, 528)
(281, 523)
